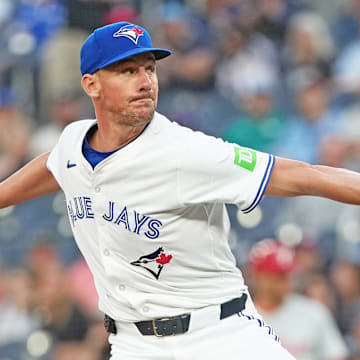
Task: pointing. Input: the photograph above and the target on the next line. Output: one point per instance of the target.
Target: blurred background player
(305, 326)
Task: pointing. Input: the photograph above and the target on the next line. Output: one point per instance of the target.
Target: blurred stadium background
(281, 76)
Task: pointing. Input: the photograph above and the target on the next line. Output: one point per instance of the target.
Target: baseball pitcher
(146, 202)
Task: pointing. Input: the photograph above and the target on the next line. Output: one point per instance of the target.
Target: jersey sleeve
(212, 170)
(57, 157)
(53, 163)
(68, 148)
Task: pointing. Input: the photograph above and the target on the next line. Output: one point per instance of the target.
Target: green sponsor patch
(245, 158)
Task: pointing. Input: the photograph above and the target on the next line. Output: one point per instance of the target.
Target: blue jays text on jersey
(80, 207)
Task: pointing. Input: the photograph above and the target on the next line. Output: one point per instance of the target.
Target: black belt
(177, 324)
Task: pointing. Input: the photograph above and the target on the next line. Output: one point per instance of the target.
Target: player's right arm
(30, 182)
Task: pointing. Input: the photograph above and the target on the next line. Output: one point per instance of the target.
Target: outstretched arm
(295, 178)
(30, 182)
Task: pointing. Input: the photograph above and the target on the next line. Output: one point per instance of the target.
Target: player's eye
(150, 69)
(128, 71)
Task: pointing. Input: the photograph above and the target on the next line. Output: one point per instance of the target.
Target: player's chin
(144, 115)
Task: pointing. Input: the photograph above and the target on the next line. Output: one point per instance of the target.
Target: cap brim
(158, 53)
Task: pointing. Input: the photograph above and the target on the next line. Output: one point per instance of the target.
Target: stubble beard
(138, 118)
(134, 118)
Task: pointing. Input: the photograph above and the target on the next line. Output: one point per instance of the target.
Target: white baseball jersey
(150, 219)
(306, 329)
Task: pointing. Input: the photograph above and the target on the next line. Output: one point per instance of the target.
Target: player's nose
(145, 80)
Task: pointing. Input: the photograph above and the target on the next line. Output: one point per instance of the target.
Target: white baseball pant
(242, 336)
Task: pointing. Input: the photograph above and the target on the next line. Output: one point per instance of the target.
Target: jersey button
(145, 309)
(97, 189)
(106, 252)
(121, 287)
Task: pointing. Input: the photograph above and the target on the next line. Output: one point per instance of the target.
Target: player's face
(272, 287)
(129, 89)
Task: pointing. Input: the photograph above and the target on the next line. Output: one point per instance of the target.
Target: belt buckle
(155, 329)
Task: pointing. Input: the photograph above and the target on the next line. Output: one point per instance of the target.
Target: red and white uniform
(307, 329)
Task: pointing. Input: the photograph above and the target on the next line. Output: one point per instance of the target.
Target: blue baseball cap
(115, 42)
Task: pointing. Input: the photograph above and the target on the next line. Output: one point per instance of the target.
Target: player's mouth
(143, 99)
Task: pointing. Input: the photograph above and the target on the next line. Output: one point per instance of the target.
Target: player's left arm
(295, 178)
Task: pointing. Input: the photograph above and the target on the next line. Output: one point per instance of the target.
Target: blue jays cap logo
(154, 262)
(131, 31)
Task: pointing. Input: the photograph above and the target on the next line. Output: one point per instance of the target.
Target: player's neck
(109, 137)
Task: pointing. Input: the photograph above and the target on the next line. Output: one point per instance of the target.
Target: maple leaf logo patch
(154, 262)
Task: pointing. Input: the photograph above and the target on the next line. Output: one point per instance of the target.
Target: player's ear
(91, 85)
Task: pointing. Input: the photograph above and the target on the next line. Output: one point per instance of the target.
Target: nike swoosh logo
(69, 165)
